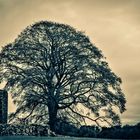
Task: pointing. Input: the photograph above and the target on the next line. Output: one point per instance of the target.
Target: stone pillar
(3, 106)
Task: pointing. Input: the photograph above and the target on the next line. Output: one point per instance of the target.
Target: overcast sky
(112, 25)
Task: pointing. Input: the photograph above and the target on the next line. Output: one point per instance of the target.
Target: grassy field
(44, 138)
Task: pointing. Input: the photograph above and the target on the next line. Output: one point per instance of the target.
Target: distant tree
(53, 71)
(89, 131)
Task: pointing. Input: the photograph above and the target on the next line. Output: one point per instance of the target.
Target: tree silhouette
(55, 72)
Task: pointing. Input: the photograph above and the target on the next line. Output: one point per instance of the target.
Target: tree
(54, 72)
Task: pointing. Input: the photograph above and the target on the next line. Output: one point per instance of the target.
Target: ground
(44, 138)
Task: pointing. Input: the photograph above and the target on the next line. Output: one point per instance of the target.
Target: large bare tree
(54, 72)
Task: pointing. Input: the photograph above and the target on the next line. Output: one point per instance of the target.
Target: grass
(44, 138)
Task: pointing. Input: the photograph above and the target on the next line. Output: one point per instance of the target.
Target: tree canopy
(54, 72)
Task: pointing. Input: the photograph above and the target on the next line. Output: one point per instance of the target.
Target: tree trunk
(52, 110)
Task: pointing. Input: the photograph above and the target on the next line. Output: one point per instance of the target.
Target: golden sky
(112, 25)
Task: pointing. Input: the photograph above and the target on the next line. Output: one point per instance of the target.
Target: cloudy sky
(112, 25)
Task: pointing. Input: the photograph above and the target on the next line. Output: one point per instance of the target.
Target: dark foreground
(45, 138)
(38, 132)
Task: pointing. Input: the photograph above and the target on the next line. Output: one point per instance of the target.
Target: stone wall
(3, 106)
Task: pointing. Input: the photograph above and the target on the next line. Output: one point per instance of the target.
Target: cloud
(114, 27)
